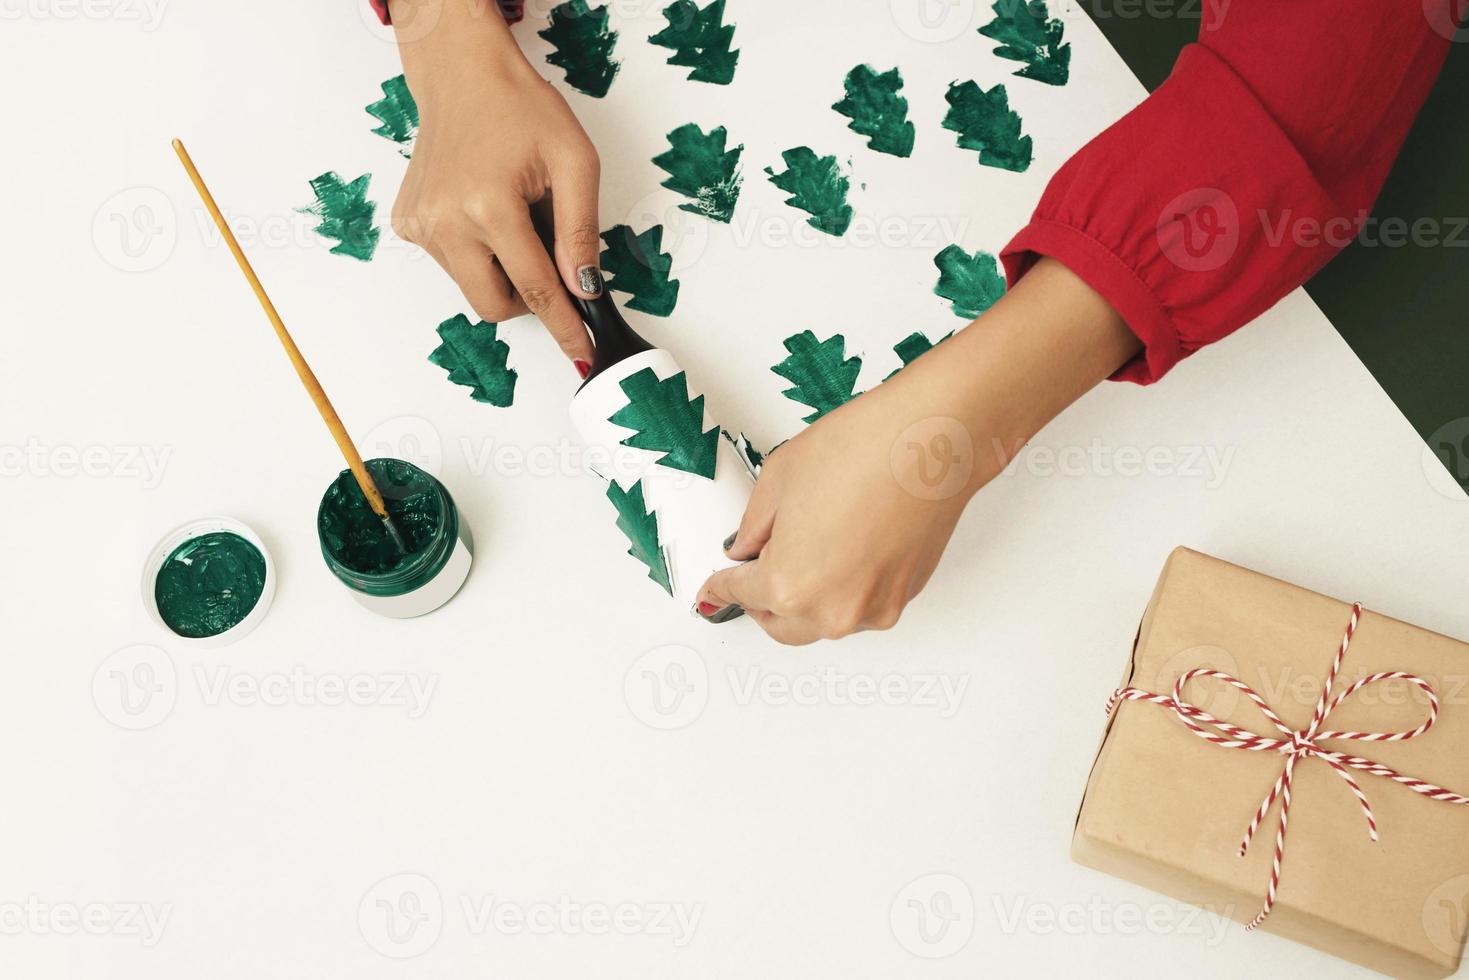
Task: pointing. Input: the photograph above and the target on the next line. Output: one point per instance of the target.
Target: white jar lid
(193, 529)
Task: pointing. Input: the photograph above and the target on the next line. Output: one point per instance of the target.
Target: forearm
(442, 41)
(1046, 343)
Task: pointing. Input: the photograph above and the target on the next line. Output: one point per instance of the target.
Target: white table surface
(510, 755)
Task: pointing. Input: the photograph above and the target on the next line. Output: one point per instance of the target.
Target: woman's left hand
(850, 518)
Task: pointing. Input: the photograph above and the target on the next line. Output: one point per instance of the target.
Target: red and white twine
(1299, 745)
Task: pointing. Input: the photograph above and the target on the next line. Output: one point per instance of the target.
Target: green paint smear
(346, 215)
(1027, 33)
(641, 530)
(985, 123)
(583, 46)
(824, 378)
(877, 110)
(209, 584)
(633, 264)
(355, 537)
(398, 114)
(700, 40)
(667, 421)
(701, 168)
(914, 346)
(476, 358)
(818, 187)
(971, 283)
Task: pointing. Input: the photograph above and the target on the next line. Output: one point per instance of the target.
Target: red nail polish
(707, 609)
(582, 367)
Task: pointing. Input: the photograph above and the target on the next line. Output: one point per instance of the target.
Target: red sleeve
(513, 10)
(1245, 172)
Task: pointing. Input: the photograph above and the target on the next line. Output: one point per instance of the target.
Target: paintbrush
(303, 370)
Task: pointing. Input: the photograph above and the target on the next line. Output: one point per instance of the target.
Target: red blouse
(1244, 173)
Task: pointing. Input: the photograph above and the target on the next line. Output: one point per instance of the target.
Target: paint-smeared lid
(209, 582)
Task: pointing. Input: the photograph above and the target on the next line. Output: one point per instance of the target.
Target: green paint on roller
(700, 168)
(208, 584)
(877, 110)
(700, 40)
(985, 122)
(398, 114)
(353, 536)
(476, 358)
(583, 44)
(667, 421)
(346, 215)
(818, 187)
(914, 346)
(633, 264)
(641, 530)
(971, 283)
(824, 378)
(1027, 33)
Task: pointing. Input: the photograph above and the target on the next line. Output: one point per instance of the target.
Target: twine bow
(1298, 745)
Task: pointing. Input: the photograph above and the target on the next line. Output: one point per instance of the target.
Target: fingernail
(729, 541)
(589, 279)
(582, 367)
(707, 609)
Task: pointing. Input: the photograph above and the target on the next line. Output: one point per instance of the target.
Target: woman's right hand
(494, 139)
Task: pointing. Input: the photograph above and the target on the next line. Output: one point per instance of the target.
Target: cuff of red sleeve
(381, 6)
(1114, 279)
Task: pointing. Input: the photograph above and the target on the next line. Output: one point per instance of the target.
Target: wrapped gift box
(1167, 809)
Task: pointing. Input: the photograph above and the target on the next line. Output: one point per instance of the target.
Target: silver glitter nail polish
(589, 278)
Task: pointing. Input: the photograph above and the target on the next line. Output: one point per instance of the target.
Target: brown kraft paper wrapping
(1167, 809)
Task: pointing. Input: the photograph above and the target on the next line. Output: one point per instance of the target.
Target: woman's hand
(495, 138)
(849, 518)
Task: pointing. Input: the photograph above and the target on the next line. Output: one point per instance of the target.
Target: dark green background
(1401, 309)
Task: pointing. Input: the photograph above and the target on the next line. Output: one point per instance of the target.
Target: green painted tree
(641, 530)
(913, 346)
(668, 422)
(822, 376)
(633, 264)
(985, 122)
(700, 168)
(700, 40)
(1027, 33)
(346, 215)
(971, 283)
(398, 113)
(877, 110)
(476, 358)
(583, 44)
(818, 187)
